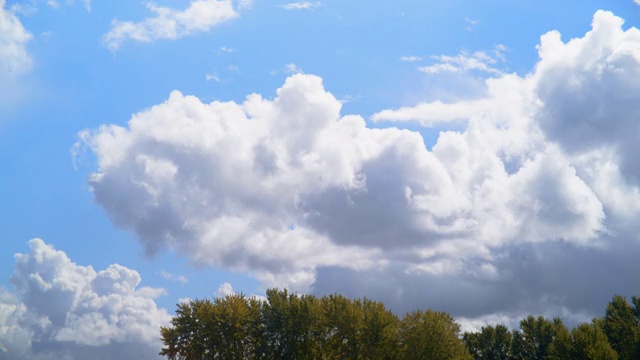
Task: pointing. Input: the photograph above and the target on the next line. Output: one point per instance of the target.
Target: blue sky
(515, 159)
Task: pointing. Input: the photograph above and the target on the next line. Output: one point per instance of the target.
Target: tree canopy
(292, 326)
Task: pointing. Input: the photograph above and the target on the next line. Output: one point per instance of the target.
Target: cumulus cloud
(248, 205)
(59, 309)
(14, 58)
(224, 290)
(531, 189)
(170, 24)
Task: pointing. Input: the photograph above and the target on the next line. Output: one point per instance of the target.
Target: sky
(478, 158)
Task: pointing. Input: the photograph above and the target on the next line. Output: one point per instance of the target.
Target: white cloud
(411, 58)
(226, 50)
(245, 4)
(471, 23)
(293, 69)
(173, 277)
(531, 188)
(224, 290)
(507, 98)
(14, 58)
(284, 187)
(512, 320)
(213, 77)
(637, 1)
(63, 309)
(479, 61)
(200, 16)
(302, 5)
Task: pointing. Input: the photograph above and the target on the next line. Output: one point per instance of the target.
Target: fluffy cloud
(63, 310)
(201, 15)
(14, 58)
(237, 184)
(224, 290)
(497, 219)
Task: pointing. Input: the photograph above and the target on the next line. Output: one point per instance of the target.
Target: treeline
(290, 326)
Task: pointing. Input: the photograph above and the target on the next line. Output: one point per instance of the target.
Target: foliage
(622, 326)
(431, 335)
(304, 327)
(534, 338)
(491, 343)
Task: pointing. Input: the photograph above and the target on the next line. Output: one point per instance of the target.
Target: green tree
(561, 348)
(491, 343)
(379, 335)
(281, 335)
(431, 335)
(293, 326)
(233, 328)
(586, 341)
(590, 343)
(622, 326)
(343, 320)
(188, 338)
(534, 338)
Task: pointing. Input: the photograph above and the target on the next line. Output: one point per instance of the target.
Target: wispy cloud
(245, 4)
(411, 58)
(481, 61)
(14, 58)
(226, 50)
(213, 77)
(471, 23)
(170, 24)
(290, 68)
(302, 5)
(173, 277)
(293, 68)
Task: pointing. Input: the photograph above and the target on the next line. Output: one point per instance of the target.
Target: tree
(561, 348)
(590, 343)
(379, 334)
(227, 328)
(234, 328)
(534, 338)
(187, 338)
(342, 320)
(282, 336)
(491, 343)
(431, 335)
(622, 326)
